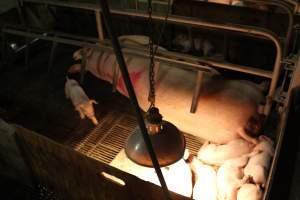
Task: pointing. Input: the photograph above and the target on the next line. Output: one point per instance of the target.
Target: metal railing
(191, 61)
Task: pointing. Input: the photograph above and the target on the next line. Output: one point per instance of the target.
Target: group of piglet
(236, 170)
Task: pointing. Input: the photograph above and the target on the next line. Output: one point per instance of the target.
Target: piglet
(205, 187)
(230, 178)
(259, 163)
(265, 144)
(80, 100)
(214, 154)
(249, 192)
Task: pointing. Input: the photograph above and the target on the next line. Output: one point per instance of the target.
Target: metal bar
(136, 4)
(274, 164)
(115, 78)
(83, 66)
(235, 28)
(20, 12)
(225, 46)
(294, 3)
(52, 56)
(3, 49)
(129, 87)
(274, 76)
(99, 26)
(198, 23)
(27, 52)
(281, 4)
(197, 91)
(187, 61)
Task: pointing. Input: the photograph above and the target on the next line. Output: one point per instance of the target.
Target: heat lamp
(156, 142)
(168, 143)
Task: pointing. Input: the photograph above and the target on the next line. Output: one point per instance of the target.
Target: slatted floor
(106, 140)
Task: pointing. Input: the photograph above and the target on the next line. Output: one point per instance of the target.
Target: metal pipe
(83, 66)
(186, 61)
(99, 26)
(130, 90)
(200, 66)
(27, 53)
(136, 4)
(192, 22)
(281, 4)
(52, 56)
(280, 137)
(199, 80)
(20, 12)
(294, 3)
(3, 50)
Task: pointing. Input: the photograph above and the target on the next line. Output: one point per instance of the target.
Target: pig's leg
(82, 116)
(242, 133)
(94, 120)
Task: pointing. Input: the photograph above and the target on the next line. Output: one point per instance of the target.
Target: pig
(214, 154)
(265, 145)
(200, 44)
(249, 192)
(205, 187)
(227, 109)
(80, 100)
(259, 163)
(179, 178)
(242, 3)
(230, 178)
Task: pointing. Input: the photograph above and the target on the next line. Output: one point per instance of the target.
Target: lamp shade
(168, 144)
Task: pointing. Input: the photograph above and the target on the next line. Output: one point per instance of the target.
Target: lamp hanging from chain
(168, 143)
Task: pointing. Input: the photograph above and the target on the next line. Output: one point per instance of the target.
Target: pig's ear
(93, 102)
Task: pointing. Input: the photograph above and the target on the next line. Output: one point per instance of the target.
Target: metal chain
(151, 97)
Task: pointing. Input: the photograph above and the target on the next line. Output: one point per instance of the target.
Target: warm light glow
(178, 176)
